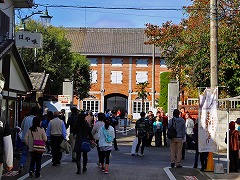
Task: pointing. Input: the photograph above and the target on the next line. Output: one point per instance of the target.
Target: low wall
(222, 126)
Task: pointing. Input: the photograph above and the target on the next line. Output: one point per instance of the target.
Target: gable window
(163, 63)
(141, 63)
(117, 62)
(141, 76)
(94, 76)
(93, 61)
(116, 77)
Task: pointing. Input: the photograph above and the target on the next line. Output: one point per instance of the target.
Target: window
(93, 61)
(163, 63)
(94, 76)
(142, 63)
(137, 106)
(141, 76)
(117, 62)
(92, 105)
(116, 77)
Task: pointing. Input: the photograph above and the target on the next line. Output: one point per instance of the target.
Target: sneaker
(141, 155)
(136, 154)
(98, 164)
(38, 176)
(179, 166)
(103, 169)
(106, 171)
(20, 169)
(172, 165)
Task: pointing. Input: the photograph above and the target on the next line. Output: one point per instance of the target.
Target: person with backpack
(141, 128)
(35, 132)
(176, 143)
(105, 135)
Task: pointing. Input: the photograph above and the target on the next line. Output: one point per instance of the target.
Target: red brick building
(119, 60)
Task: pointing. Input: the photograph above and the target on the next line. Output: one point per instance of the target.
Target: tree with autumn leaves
(186, 46)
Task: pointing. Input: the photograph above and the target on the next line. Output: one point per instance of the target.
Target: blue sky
(76, 17)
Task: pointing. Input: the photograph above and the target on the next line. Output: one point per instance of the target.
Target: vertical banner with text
(208, 121)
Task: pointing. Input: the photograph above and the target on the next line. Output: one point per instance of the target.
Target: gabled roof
(109, 41)
(39, 80)
(9, 45)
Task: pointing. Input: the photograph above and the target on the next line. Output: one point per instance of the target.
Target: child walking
(35, 132)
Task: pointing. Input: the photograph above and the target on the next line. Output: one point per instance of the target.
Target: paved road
(155, 165)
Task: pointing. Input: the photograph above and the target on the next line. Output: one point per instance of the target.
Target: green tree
(55, 57)
(163, 100)
(186, 46)
(81, 76)
(142, 92)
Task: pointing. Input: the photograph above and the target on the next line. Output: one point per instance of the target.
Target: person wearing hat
(56, 132)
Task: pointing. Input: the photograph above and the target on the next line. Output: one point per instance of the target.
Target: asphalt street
(153, 166)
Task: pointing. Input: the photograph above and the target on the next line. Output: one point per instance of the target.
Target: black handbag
(172, 133)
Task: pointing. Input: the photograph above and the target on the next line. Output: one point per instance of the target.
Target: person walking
(106, 135)
(72, 137)
(164, 120)
(176, 143)
(189, 131)
(150, 119)
(234, 146)
(114, 123)
(90, 119)
(56, 133)
(141, 128)
(26, 124)
(83, 131)
(203, 155)
(35, 132)
(95, 130)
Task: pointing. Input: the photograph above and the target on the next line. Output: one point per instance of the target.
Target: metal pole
(213, 43)
(153, 77)
(228, 104)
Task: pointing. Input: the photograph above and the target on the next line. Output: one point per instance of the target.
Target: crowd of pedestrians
(100, 130)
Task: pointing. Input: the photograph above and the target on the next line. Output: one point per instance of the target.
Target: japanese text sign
(28, 40)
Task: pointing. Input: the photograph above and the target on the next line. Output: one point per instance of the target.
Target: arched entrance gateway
(116, 101)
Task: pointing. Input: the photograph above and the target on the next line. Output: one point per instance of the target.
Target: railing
(231, 104)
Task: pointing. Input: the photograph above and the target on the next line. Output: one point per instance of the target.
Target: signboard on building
(64, 99)
(28, 40)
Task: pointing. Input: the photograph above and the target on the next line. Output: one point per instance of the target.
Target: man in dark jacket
(72, 123)
(141, 128)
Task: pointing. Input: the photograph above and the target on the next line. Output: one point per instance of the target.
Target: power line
(120, 8)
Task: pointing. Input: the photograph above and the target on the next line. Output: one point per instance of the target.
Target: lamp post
(45, 19)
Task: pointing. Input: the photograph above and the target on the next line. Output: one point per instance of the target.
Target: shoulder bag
(38, 145)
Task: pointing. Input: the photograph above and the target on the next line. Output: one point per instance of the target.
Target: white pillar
(102, 85)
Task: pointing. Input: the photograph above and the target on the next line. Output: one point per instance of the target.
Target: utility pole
(153, 76)
(213, 43)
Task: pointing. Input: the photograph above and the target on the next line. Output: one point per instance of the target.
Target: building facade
(12, 70)
(119, 61)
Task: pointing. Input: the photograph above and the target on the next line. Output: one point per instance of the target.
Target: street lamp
(45, 19)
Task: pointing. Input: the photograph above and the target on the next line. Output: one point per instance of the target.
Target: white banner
(208, 121)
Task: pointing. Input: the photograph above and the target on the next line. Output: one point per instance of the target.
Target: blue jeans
(24, 154)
